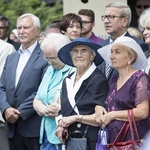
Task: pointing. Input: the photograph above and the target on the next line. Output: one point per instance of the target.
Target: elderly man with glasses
(116, 19)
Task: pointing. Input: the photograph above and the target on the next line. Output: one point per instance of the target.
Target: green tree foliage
(12, 9)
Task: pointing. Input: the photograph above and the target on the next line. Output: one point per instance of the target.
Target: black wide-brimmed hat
(64, 52)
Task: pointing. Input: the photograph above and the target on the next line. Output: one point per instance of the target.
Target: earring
(128, 62)
(62, 32)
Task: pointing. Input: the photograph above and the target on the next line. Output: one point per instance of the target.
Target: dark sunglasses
(142, 6)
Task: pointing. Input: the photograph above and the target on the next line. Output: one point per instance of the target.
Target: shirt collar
(30, 49)
(111, 41)
(87, 73)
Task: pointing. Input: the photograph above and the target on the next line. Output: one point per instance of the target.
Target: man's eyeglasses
(86, 22)
(2, 28)
(50, 58)
(110, 18)
(142, 6)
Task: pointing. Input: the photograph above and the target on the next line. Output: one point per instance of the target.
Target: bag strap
(135, 126)
(83, 93)
(121, 131)
(125, 127)
(86, 129)
(132, 124)
(125, 133)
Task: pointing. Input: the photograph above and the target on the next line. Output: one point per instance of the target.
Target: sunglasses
(142, 6)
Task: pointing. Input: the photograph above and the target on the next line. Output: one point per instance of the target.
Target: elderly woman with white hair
(144, 25)
(130, 89)
(45, 102)
(81, 92)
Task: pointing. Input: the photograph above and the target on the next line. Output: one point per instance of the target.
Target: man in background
(88, 23)
(5, 30)
(53, 27)
(140, 6)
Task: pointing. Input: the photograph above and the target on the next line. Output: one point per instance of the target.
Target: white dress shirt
(5, 50)
(24, 57)
(148, 68)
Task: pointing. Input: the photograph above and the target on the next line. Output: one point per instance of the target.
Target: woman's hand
(67, 121)
(99, 111)
(52, 110)
(62, 134)
(106, 118)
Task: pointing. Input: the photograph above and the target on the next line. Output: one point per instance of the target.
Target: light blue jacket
(46, 93)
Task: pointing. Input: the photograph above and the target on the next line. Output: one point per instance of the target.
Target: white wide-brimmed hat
(141, 61)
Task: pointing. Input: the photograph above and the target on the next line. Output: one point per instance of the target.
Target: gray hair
(36, 20)
(125, 10)
(144, 17)
(57, 39)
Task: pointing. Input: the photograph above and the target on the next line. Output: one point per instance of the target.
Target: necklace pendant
(79, 125)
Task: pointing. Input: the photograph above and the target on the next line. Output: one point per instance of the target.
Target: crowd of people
(66, 82)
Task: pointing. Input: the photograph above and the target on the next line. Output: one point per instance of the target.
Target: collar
(86, 74)
(30, 49)
(111, 41)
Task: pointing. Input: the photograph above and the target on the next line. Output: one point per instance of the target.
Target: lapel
(35, 54)
(128, 35)
(105, 42)
(85, 84)
(15, 64)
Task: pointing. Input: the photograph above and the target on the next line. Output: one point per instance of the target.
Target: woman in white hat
(130, 89)
(82, 91)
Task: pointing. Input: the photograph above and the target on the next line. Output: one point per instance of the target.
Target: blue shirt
(46, 93)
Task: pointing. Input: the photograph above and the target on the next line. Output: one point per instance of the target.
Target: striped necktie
(107, 67)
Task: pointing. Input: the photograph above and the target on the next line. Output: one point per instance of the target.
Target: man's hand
(11, 115)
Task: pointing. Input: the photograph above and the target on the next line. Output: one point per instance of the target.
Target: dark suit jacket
(21, 97)
(15, 44)
(147, 53)
(112, 71)
(93, 91)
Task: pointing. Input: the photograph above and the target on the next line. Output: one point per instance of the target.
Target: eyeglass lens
(143, 6)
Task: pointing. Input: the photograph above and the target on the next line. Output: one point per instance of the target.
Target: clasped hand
(102, 116)
(12, 115)
(61, 131)
(52, 110)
